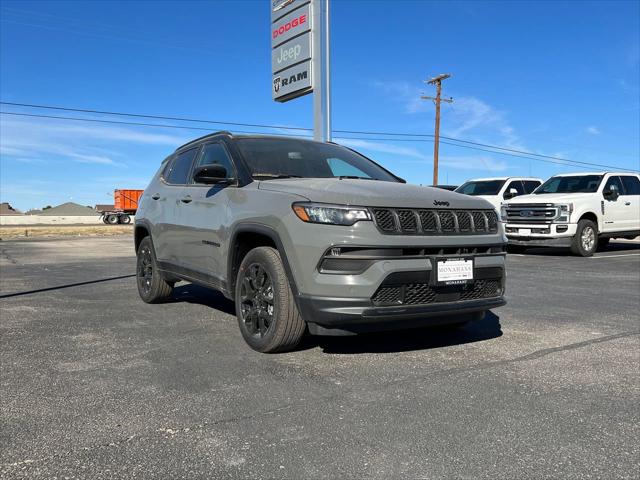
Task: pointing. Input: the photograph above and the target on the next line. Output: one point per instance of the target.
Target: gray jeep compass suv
(310, 236)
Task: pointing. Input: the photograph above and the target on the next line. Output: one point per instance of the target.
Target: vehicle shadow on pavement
(408, 340)
(613, 247)
(192, 293)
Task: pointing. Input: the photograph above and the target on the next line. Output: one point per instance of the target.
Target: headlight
(564, 212)
(503, 212)
(330, 214)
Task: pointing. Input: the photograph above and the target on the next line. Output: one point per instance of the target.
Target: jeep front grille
(424, 293)
(435, 222)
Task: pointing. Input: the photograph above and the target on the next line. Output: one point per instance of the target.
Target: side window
(531, 185)
(517, 184)
(180, 167)
(631, 185)
(215, 153)
(614, 181)
(341, 168)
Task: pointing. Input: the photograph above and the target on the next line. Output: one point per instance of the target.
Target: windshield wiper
(267, 176)
(353, 177)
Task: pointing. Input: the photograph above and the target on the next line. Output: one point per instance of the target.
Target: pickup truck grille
(530, 213)
(423, 293)
(399, 221)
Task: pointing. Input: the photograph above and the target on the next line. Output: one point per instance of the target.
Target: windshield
(484, 187)
(576, 184)
(285, 157)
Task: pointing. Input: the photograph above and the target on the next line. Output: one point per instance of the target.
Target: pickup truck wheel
(585, 241)
(151, 285)
(267, 314)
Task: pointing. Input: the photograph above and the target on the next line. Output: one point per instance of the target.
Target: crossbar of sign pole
(291, 52)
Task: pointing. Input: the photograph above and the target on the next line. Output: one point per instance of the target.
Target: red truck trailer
(125, 204)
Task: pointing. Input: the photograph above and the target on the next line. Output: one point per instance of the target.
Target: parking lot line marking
(623, 255)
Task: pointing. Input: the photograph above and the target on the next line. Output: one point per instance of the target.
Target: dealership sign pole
(300, 57)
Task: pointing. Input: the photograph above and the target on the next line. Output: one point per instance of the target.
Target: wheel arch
(141, 230)
(588, 215)
(246, 237)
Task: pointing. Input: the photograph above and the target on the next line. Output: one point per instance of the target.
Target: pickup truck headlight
(564, 212)
(503, 212)
(330, 214)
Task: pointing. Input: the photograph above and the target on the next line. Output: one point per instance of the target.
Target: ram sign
(291, 34)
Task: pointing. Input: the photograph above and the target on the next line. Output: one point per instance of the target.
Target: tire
(603, 243)
(112, 219)
(125, 219)
(267, 313)
(152, 287)
(104, 219)
(585, 241)
(516, 249)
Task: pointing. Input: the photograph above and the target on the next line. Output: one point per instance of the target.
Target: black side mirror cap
(210, 174)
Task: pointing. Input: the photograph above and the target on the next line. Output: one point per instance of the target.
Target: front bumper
(537, 235)
(336, 316)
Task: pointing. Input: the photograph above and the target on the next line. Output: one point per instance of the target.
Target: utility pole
(437, 81)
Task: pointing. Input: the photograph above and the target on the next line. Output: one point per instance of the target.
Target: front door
(613, 208)
(206, 217)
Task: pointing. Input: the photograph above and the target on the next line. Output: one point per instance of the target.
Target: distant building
(69, 209)
(7, 209)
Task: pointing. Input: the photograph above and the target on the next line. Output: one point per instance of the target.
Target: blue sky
(556, 78)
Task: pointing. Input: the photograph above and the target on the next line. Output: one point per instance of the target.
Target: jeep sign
(291, 32)
(290, 53)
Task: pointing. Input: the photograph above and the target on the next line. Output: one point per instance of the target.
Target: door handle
(156, 196)
(627, 203)
(186, 199)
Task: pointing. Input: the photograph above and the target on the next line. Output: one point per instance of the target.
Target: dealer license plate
(455, 271)
(525, 232)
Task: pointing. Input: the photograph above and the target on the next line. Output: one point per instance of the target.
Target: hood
(550, 198)
(372, 193)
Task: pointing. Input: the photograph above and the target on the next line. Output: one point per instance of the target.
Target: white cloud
(26, 140)
(478, 163)
(593, 130)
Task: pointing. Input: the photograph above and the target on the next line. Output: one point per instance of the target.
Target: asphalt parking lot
(97, 384)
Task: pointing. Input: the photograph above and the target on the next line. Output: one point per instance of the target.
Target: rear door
(631, 201)
(206, 220)
(613, 209)
(169, 238)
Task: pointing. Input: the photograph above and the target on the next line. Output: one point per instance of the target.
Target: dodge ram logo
(438, 203)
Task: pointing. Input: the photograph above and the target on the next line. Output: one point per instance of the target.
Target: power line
(552, 160)
(281, 127)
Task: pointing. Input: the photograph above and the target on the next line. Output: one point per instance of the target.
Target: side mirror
(511, 193)
(612, 194)
(209, 174)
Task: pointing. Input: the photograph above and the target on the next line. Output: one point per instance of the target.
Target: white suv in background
(577, 210)
(497, 190)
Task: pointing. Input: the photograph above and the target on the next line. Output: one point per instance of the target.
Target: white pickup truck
(577, 210)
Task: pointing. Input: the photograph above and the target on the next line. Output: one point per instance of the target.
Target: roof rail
(221, 132)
